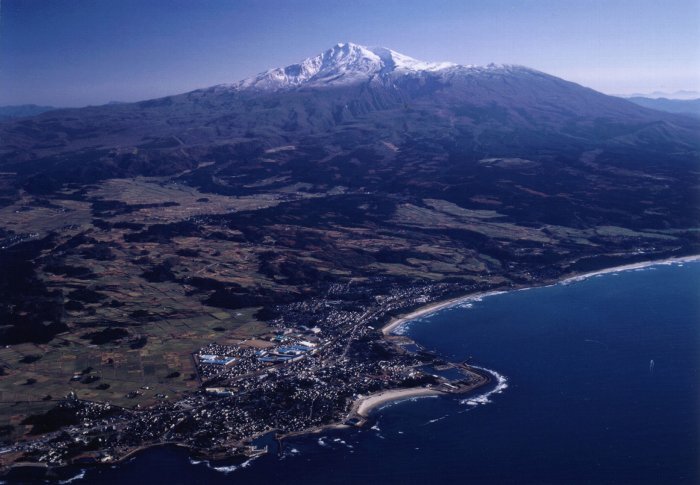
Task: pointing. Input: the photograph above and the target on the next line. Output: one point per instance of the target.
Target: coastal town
(295, 379)
(235, 247)
(322, 365)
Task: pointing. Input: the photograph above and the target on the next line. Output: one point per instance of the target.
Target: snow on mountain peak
(401, 62)
(344, 63)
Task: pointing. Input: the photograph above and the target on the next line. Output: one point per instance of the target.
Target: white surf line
(501, 385)
(397, 327)
(231, 468)
(632, 266)
(79, 476)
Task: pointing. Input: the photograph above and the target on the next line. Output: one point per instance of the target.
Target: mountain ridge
(476, 112)
(10, 112)
(248, 198)
(342, 63)
(347, 63)
(689, 107)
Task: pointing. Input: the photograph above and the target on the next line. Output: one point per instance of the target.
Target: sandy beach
(436, 306)
(364, 405)
(630, 267)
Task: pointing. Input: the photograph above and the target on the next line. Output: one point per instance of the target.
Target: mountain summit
(409, 122)
(342, 64)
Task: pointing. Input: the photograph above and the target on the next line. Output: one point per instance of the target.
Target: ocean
(598, 383)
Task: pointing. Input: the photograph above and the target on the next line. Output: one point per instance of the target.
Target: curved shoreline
(631, 267)
(362, 406)
(434, 307)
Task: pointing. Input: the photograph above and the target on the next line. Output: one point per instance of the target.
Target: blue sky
(77, 52)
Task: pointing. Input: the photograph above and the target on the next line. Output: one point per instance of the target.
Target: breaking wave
(79, 476)
(404, 328)
(404, 399)
(231, 468)
(435, 420)
(501, 385)
(343, 442)
(223, 469)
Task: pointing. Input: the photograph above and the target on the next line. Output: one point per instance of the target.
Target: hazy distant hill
(22, 111)
(682, 94)
(681, 106)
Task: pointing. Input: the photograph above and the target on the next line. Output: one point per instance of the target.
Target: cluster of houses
(284, 346)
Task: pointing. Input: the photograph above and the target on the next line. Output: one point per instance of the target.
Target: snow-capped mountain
(347, 97)
(377, 78)
(342, 64)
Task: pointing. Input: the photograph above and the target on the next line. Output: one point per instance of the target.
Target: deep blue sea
(581, 403)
